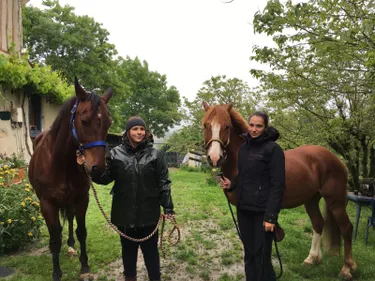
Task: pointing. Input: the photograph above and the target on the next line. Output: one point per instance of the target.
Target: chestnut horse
(59, 181)
(312, 172)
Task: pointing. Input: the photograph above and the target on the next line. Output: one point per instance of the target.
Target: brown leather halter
(222, 144)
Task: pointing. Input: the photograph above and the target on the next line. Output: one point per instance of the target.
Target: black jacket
(261, 174)
(141, 185)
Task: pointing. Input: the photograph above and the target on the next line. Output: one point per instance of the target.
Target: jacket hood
(270, 134)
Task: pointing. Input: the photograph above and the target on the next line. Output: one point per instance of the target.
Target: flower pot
(19, 176)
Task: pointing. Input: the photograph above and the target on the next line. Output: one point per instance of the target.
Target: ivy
(16, 74)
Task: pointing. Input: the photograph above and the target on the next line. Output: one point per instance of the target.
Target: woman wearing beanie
(141, 186)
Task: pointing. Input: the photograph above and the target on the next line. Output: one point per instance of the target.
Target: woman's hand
(268, 227)
(225, 183)
(169, 216)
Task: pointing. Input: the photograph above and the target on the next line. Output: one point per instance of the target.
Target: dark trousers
(149, 250)
(258, 246)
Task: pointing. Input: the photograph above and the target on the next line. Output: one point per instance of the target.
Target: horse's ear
(107, 95)
(205, 105)
(229, 106)
(80, 92)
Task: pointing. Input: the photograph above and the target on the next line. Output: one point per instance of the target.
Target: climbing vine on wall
(17, 74)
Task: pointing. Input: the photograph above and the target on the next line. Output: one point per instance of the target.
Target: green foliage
(17, 74)
(149, 97)
(320, 76)
(12, 162)
(71, 44)
(20, 218)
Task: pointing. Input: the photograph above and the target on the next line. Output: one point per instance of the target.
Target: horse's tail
(331, 233)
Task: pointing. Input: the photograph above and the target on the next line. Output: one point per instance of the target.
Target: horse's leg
(51, 216)
(312, 209)
(81, 233)
(337, 207)
(71, 251)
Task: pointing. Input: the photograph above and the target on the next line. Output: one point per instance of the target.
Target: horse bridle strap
(81, 146)
(224, 145)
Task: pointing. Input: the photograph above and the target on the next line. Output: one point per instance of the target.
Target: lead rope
(161, 219)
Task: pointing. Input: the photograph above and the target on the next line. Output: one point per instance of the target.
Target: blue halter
(81, 146)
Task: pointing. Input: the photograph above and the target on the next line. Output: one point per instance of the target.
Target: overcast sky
(187, 40)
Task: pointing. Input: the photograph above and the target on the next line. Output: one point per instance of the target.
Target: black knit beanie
(135, 121)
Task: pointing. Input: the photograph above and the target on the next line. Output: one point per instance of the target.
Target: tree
(321, 72)
(71, 44)
(149, 97)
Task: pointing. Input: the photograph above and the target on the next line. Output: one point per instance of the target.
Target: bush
(20, 218)
(12, 162)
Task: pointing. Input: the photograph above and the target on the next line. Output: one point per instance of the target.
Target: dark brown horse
(59, 181)
(312, 172)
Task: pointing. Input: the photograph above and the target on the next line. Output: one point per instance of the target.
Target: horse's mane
(238, 122)
(221, 115)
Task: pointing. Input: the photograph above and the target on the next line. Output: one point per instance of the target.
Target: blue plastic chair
(371, 220)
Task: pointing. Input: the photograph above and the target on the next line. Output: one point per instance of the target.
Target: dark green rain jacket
(141, 185)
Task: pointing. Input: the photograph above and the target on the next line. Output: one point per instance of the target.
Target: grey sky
(187, 40)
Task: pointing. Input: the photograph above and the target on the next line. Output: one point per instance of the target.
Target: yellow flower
(36, 204)
(28, 199)
(27, 185)
(23, 204)
(33, 218)
(27, 189)
(40, 217)
(5, 167)
(7, 172)
(9, 220)
(30, 234)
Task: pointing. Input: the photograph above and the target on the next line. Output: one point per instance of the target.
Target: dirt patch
(205, 253)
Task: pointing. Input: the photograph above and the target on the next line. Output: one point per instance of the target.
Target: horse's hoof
(312, 261)
(86, 276)
(353, 267)
(345, 274)
(71, 252)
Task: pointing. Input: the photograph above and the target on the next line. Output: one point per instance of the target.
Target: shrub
(12, 162)
(20, 218)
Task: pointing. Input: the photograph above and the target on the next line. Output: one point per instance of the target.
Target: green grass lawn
(209, 249)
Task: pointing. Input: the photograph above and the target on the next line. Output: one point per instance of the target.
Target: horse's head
(90, 121)
(217, 129)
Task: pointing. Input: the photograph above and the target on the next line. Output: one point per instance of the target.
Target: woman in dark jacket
(141, 186)
(261, 182)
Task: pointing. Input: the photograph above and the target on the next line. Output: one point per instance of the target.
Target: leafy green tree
(149, 97)
(71, 44)
(321, 72)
